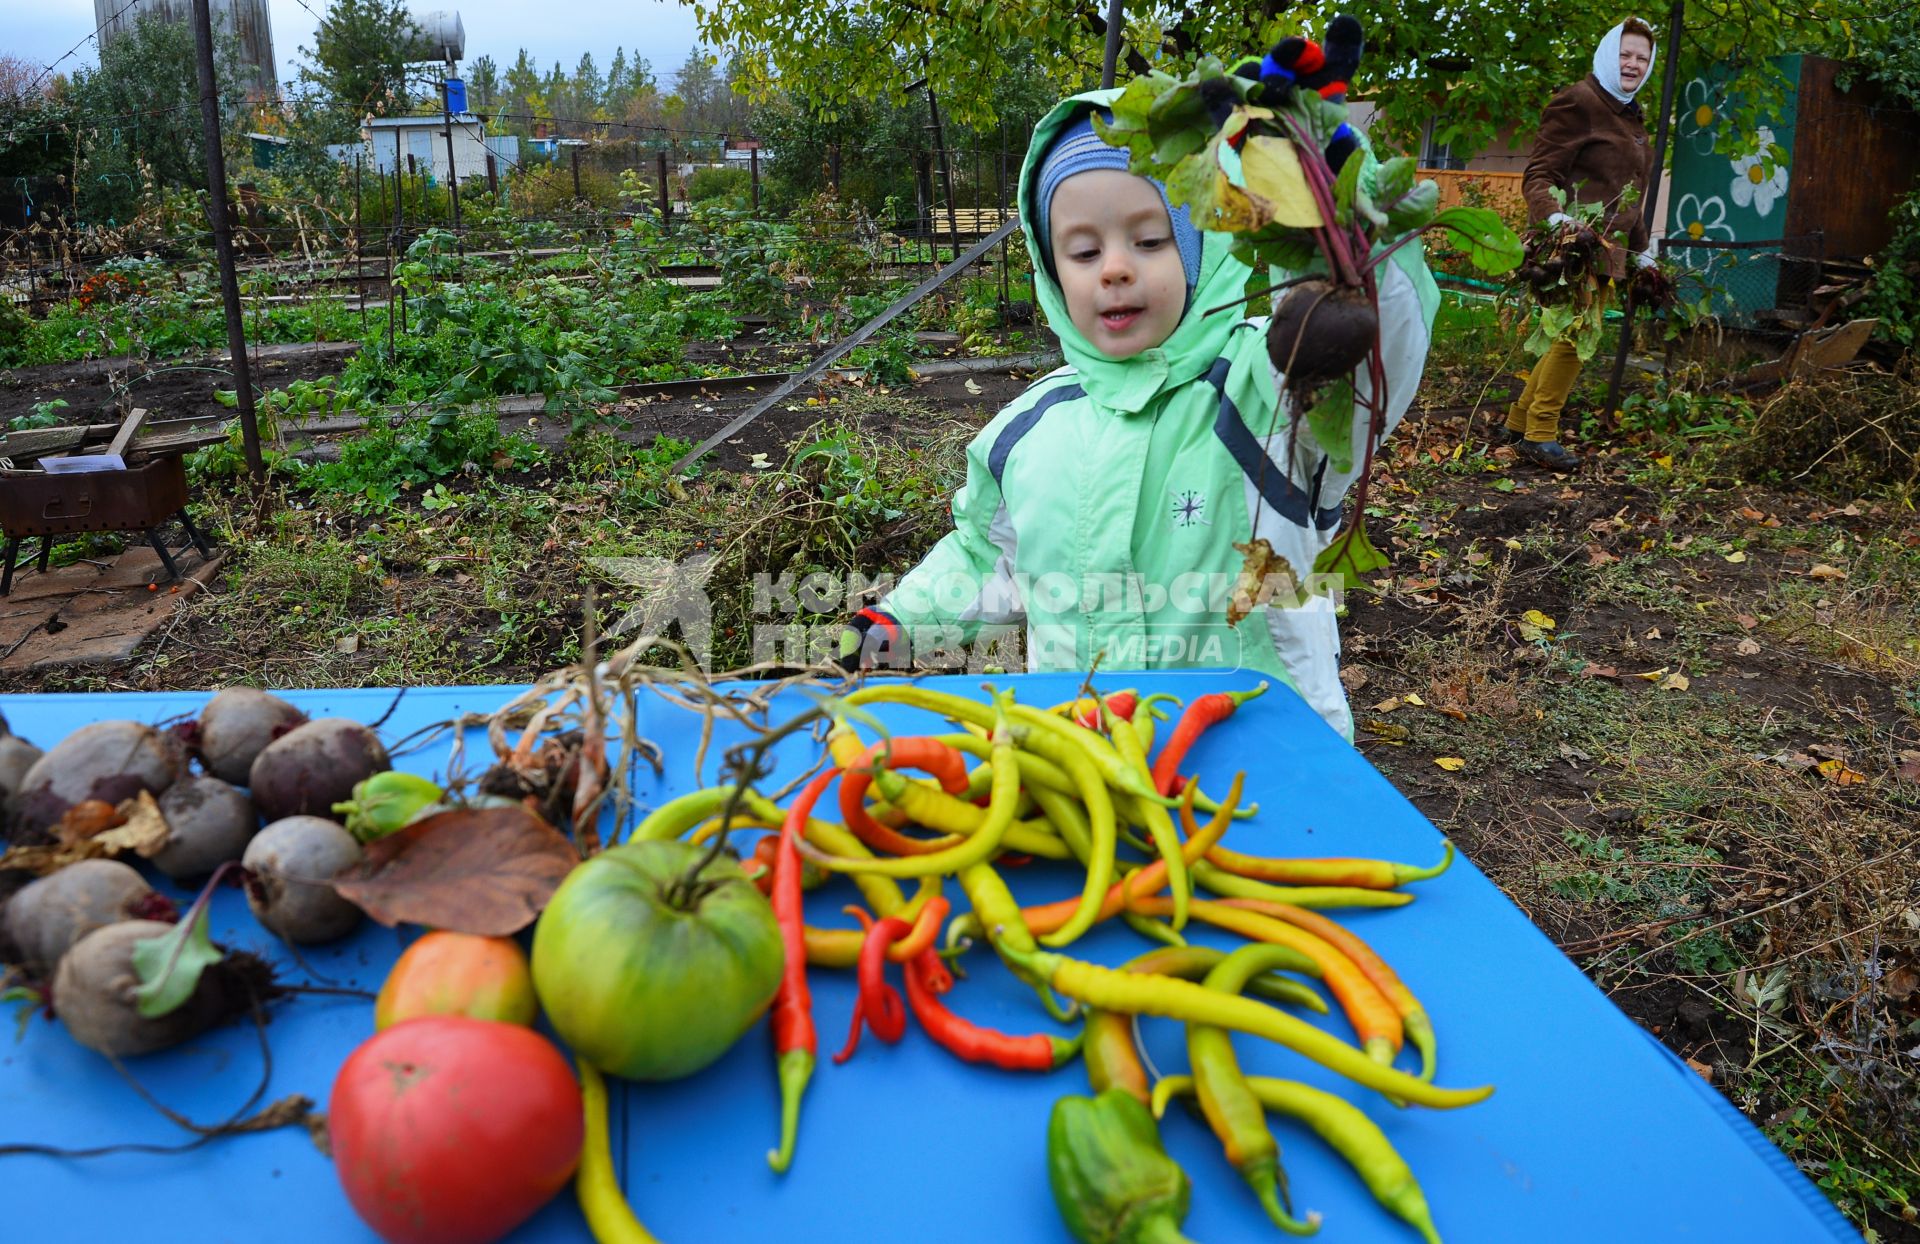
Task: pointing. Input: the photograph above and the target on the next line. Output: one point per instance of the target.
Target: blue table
(1596, 1133)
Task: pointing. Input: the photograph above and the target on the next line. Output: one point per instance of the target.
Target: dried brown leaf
(485, 871)
(1263, 575)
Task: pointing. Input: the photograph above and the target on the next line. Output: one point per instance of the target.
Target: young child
(1101, 508)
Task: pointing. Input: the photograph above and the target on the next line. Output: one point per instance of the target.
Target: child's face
(1119, 268)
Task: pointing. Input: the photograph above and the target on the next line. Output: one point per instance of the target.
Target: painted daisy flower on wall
(1703, 217)
(1699, 109)
(1752, 185)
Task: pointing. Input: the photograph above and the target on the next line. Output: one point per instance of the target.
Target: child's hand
(873, 640)
(1297, 62)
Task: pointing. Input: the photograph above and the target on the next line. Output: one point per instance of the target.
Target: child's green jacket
(1101, 509)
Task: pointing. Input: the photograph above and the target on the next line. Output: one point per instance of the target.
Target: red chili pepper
(793, 1035)
(912, 752)
(1121, 703)
(973, 1043)
(1206, 710)
(879, 1003)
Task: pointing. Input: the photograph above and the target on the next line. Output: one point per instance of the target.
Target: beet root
(290, 862)
(209, 821)
(110, 761)
(93, 994)
(16, 757)
(47, 918)
(309, 769)
(1321, 332)
(237, 725)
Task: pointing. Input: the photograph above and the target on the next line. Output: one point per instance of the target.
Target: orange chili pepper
(1413, 1016)
(1364, 874)
(1375, 1019)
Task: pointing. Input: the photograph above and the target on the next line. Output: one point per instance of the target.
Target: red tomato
(449, 1130)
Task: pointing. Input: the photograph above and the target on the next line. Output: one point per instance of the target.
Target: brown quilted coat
(1592, 147)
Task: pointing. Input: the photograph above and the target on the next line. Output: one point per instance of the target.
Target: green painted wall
(1728, 199)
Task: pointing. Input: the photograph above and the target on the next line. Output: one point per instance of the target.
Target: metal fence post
(666, 202)
(223, 239)
(753, 165)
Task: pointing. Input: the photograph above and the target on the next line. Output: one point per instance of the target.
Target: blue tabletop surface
(1596, 1133)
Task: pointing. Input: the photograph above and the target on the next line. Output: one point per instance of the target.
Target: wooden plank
(129, 428)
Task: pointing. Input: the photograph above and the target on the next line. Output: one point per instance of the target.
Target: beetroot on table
(44, 920)
(93, 994)
(312, 767)
(236, 726)
(109, 760)
(209, 822)
(290, 862)
(16, 757)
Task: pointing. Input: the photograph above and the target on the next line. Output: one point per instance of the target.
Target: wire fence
(1751, 285)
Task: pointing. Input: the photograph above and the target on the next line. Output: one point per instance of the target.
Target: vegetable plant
(1252, 162)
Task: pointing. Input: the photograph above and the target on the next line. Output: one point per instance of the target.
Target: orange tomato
(458, 974)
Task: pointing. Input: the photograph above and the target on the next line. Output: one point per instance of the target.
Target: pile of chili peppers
(1075, 783)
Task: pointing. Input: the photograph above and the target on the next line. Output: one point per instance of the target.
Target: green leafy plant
(44, 415)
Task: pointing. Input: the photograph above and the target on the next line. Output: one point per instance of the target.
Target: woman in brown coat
(1592, 145)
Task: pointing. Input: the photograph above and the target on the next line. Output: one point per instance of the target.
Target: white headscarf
(1606, 65)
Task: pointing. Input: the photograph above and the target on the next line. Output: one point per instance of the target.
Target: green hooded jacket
(1101, 508)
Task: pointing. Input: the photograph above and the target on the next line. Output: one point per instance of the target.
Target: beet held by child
(1320, 333)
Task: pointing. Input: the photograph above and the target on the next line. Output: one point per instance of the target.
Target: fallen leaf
(1263, 574)
(1386, 731)
(1652, 675)
(1388, 705)
(1675, 682)
(1664, 460)
(1830, 751)
(1836, 771)
(1901, 983)
(1415, 700)
(1793, 760)
(1747, 621)
(1751, 514)
(759, 462)
(348, 644)
(1654, 633)
(1597, 556)
(1353, 678)
(1452, 764)
(1823, 571)
(1599, 671)
(143, 830)
(1736, 557)
(1909, 770)
(1747, 647)
(1538, 619)
(1455, 713)
(1513, 544)
(485, 871)
(87, 819)
(1704, 1070)
(973, 387)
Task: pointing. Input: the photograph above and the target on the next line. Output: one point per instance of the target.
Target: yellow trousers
(1536, 415)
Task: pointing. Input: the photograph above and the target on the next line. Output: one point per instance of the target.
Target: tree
(483, 84)
(1485, 68)
(358, 62)
(136, 118)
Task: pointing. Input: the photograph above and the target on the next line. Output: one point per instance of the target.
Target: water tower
(246, 19)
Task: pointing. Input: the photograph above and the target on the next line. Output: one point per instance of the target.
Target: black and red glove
(1297, 62)
(873, 639)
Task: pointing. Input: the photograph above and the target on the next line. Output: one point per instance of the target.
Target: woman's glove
(1646, 258)
(872, 639)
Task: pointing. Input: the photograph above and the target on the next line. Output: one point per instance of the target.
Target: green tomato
(645, 988)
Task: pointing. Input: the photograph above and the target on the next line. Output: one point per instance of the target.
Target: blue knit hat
(1080, 150)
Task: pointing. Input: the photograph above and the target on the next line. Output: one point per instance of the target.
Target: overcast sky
(660, 30)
